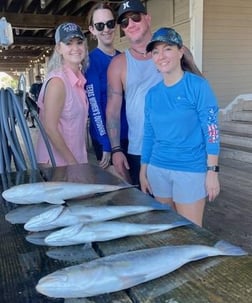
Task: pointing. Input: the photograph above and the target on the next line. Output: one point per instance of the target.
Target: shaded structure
(33, 23)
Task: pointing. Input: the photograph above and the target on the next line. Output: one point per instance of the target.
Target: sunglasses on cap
(101, 25)
(136, 17)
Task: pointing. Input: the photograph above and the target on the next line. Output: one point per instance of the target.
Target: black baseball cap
(67, 31)
(130, 6)
(167, 35)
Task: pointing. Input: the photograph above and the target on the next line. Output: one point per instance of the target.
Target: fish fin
(198, 257)
(229, 249)
(164, 227)
(181, 223)
(87, 245)
(132, 280)
(55, 201)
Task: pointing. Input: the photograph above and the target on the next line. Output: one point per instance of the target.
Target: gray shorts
(182, 187)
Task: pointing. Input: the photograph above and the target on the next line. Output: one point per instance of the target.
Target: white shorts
(182, 187)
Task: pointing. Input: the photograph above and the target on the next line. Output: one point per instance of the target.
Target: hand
(121, 165)
(105, 161)
(144, 183)
(212, 185)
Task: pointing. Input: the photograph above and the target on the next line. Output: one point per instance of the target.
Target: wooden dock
(230, 215)
(210, 280)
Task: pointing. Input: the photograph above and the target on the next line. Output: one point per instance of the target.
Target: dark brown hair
(188, 64)
(99, 5)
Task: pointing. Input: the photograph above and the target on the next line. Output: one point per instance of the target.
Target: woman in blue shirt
(179, 162)
(102, 26)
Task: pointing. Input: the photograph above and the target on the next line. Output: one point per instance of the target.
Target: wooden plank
(230, 215)
(41, 21)
(206, 281)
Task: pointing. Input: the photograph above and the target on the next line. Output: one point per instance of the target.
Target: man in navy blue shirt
(33, 97)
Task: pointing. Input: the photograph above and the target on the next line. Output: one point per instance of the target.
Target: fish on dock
(76, 253)
(38, 238)
(54, 192)
(63, 216)
(22, 213)
(122, 271)
(104, 231)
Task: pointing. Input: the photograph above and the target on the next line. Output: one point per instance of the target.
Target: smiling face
(73, 51)
(103, 18)
(167, 57)
(136, 26)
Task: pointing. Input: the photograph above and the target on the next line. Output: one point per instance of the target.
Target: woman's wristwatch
(214, 168)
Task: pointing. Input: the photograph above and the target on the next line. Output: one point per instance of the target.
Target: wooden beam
(41, 21)
(36, 41)
(20, 53)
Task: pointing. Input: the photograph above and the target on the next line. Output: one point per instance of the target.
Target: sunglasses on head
(136, 17)
(101, 25)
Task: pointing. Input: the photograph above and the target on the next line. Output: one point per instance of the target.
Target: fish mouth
(53, 284)
(44, 219)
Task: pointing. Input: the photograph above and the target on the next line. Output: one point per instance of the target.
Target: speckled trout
(54, 192)
(125, 270)
(104, 231)
(63, 216)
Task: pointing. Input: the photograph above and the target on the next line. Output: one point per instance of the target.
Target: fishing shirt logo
(95, 109)
(213, 131)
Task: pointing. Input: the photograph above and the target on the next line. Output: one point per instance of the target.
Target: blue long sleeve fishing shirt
(96, 88)
(181, 126)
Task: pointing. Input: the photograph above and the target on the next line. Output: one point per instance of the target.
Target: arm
(32, 92)
(97, 111)
(208, 111)
(54, 101)
(148, 141)
(212, 178)
(115, 74)
(144, 183)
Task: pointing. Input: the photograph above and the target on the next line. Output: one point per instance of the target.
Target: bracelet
(115, 147)
(118, 149)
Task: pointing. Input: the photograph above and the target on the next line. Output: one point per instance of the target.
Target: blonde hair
(56, 61)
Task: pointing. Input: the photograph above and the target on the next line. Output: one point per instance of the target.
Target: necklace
(138, 52)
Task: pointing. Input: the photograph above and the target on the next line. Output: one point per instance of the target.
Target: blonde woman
(62, 100)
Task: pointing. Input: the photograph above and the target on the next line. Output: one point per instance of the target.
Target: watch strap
(214, 168)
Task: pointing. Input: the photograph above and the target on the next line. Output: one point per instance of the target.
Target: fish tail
(229, 249)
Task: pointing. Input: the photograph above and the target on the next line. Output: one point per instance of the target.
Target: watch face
(214, 168)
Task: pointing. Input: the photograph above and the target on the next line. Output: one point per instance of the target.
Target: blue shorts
(180, 186)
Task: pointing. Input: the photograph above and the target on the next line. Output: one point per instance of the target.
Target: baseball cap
(67, 31)
(167, 35)
(130, 6)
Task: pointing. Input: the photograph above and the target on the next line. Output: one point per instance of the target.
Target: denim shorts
(182, 187)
